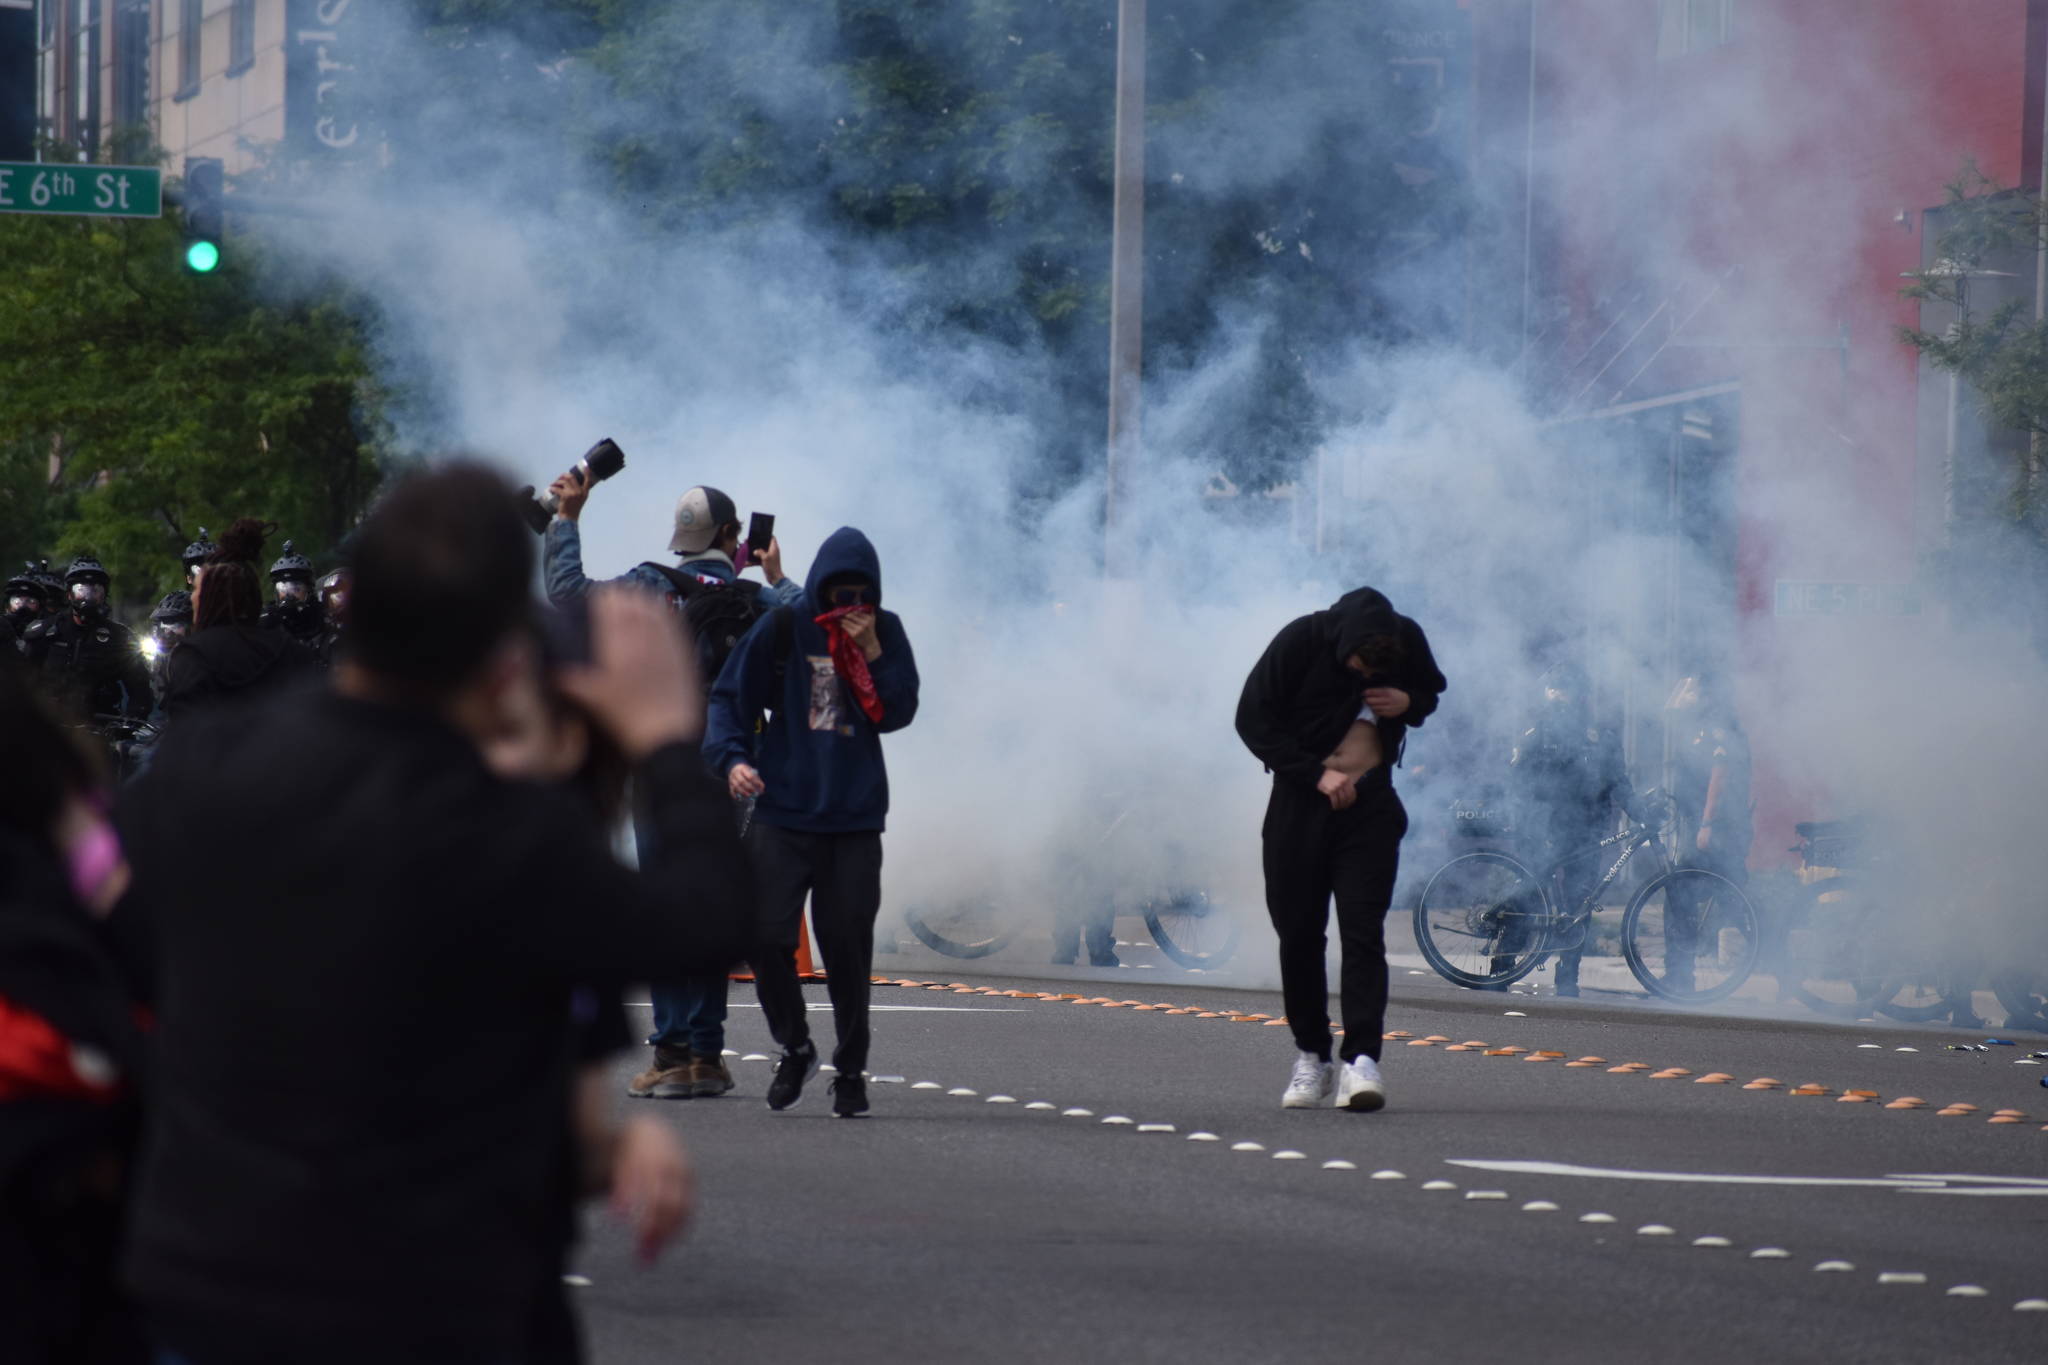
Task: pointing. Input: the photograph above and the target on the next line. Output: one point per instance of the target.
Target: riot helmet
(86, 583)
(169, 623)
(291, 577)
(333, 592)
(25, 595)
(196, 554)
(54, 594)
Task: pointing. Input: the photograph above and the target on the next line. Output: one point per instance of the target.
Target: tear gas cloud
(1076, 739)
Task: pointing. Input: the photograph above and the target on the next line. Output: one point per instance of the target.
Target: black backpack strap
(785, 640)
(684, 583)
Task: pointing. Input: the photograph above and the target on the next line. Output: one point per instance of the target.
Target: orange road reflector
(1244, 1018)
(1420, 1042)
(1472, 1042)
(1670, 1073)
(1392, 1034)
(1110, 1004)
(1258, 1016)
(2004, 1118)
(1581, 1064)
(1866, 1094)
(1208, 1014)
(1625, 1069)
(1541, 1057)
(1147, 1008)
(1461, 1047)
(1130, 1002)
(1436, 1038)
(1547, 1053)
(1852, 1099)
(1714, 1078)
(1907, 1102)
(1763, 1083)
(1591, 1061)
(1181, 1011)
(1505, 1051)
(1952, 1113)
(1960, 1107)
(1810, 1088)
(1276, 1023)
(2010, 1114)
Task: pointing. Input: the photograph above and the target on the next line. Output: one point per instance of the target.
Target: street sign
(100, 191)
(1799, 598)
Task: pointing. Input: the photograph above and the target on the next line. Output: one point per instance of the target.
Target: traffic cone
(806, 970)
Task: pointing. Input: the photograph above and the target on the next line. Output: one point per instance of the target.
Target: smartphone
(760, 530)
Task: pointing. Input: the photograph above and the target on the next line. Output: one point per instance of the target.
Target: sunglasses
(850, 595)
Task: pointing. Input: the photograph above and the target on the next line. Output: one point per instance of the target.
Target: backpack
(719, 614)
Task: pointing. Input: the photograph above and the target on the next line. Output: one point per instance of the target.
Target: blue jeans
(690, 1014)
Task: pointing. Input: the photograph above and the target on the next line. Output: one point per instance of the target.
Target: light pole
(1126, 281)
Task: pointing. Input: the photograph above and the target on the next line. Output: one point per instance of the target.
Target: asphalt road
(958, 1227)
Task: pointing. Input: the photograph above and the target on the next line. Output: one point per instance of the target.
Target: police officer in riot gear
(169, 624)
(54, 593)
(25, 606)
(88, 662)
(333, 593)
(196, 554)
(294, 609)
(1565, 776)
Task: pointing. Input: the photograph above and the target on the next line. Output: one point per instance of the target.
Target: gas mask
(89, 600)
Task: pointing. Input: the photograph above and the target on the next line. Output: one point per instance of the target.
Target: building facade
(233, 79)
(1718, 201)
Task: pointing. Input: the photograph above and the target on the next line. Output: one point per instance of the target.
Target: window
(241, 37)
(190, 12)
(49, 68)
(1693, 26)
(131, 63)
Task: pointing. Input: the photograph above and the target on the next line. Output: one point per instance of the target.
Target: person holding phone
(1327, 709)
(689, 1015)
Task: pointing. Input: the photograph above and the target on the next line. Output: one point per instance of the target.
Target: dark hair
(441, 573)
(228, 591)
(1382, 652)
(43, 760)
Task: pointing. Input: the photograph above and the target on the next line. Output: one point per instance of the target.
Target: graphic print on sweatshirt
(828, 706)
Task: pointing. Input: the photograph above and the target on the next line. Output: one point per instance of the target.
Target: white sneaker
(1313, 1081)
(1359, 1087)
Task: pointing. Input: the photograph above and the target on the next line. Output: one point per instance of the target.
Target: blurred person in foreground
(70, 1049)
(721, 607)
(362, 1145)
(1327, 709)
(229, 656)
(834, 676)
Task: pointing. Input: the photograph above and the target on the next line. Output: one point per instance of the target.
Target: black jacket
(367, 953)
(88, 667)
(1301, 697)
(234, 663)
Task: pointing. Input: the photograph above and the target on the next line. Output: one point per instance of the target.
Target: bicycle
(1688, 935)
(1187, 925)
(1844, 949)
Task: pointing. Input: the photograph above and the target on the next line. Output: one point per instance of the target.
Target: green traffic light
(202, 256)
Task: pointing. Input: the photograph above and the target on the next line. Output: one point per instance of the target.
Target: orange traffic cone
(805, 969)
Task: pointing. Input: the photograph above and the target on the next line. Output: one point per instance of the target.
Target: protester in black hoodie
(230, 656)
(837, 674)
(1327, 710)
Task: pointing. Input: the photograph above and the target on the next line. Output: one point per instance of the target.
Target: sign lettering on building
(321, 118)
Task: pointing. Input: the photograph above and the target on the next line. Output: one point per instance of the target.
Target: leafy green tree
(139, 402)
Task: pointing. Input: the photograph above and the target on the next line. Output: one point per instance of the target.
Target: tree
(139, 402)
(2003, 353)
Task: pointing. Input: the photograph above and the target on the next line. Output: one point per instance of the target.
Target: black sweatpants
(842, 876)
(1314, 853)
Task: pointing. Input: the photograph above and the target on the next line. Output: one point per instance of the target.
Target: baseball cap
(699, 514)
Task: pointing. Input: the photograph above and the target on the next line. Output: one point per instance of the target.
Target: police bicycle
(1689, 935)
(1847, 946)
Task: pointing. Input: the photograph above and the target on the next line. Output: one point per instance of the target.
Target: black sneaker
(797, 1066)
(849, 1096)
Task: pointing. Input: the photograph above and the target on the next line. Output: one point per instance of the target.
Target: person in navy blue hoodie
(835, 674)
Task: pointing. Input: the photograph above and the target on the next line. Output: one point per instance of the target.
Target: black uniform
(1568, 774)
(1298, 704)
(89, 667)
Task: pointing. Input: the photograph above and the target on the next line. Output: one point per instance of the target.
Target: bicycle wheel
(1691, 936)
(1828, 954)
(1192, 929)
(1916, 999)
(1482, 920)
(969, 928)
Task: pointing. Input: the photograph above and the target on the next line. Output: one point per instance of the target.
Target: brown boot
(708, 1077)
(667, 1077)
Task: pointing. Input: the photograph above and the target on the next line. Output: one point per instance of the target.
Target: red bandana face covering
(849, 662)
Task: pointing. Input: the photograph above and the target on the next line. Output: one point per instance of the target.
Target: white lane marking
(1901, 1277)
(1203, 1137)
(1655, 1230)
(1907, 1184)
(1967, 1291)
(1712, 1242)
(1247, 1147)
(1339, 1166)
(1834, 1267)
(1770, 1254)
(1438, 1185)
(1486, 1194)
(1388, 1175)
(1539, 1206)
(1290, 1155)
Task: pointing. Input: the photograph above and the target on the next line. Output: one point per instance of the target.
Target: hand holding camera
(567, 494)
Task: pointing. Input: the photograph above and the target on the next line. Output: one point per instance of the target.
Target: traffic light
(205, 213)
